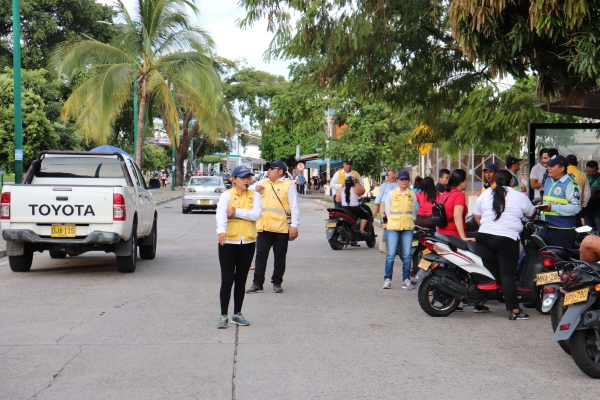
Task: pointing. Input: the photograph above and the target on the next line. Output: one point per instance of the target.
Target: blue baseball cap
(557, 160)
(403, 174)
(277, 164)
(240, 171)
(491, 167)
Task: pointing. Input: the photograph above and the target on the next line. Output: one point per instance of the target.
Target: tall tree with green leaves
(159, 48)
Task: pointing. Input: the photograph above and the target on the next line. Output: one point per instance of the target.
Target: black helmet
(350, 181)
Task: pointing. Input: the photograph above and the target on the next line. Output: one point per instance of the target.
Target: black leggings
(507, 251)
(363, 212)
(235, 260)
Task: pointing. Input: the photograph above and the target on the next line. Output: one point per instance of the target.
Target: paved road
(75, 328)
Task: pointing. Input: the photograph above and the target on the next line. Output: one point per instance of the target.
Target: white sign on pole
(297, 152)
(300, 166)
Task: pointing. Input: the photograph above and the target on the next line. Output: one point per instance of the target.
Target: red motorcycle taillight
(548, 290)
(564, 277)
(426, 243)
(573, 275)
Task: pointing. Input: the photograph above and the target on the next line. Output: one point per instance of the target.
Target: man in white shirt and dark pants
(279, 200)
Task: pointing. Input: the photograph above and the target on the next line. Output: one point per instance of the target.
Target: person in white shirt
(499, 212)
(338, 179)
(238, 210)
(349, 200)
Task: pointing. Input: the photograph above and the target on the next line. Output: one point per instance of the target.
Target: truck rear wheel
(127, 264)
(21, 263)
(57, 254)
(148, 252)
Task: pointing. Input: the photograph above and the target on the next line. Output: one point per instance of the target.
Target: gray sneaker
(223, 320)
(406, 283)
(387, 284)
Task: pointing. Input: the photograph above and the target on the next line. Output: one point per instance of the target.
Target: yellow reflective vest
(273, 217)
(237, 227)
(342, 176)
(402, 208)
(579, 178)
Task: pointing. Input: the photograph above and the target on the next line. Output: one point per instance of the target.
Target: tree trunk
(181, 151)
(141, 118)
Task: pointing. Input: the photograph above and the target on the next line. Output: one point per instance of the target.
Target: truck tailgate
(61, 204)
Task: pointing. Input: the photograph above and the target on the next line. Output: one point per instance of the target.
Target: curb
(158, 203)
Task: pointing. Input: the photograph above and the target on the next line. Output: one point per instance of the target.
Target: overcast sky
(218, 18)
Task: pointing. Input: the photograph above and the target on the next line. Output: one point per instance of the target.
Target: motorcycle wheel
(372, 240)
(556, 314)
(334, 243)
(435, 302)
(585, 352)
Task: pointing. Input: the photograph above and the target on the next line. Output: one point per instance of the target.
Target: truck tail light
(119, 207)
(5, 206)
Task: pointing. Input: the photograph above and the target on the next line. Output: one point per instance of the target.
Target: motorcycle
(468, 271)
(579, 304)
(343, 227)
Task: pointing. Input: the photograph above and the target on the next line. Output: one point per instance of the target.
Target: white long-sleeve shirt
(334, 180)
(250, 215)
(292, 200)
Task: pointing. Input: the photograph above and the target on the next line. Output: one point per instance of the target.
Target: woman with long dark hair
(349, 195)
(455, 204)
(425, 199)
(499, 211)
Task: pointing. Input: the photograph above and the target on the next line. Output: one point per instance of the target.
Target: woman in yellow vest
(237, 212)
(400, 210)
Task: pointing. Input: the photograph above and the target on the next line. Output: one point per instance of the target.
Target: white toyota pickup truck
(75, 202)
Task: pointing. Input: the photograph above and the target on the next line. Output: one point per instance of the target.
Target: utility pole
(16, 20)
(135, 107)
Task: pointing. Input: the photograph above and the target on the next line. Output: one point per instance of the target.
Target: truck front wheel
(21, 263)
(127, 264)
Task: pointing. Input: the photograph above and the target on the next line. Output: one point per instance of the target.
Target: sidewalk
(161, 196)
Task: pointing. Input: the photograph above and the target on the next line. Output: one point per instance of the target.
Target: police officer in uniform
(561, 204)
(237, 212)
(339, 178)
(279, 199)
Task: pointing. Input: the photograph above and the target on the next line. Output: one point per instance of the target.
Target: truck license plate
(577, 296)
(63, 231)
(550, 277)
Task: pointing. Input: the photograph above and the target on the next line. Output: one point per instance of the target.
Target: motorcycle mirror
(583, 229)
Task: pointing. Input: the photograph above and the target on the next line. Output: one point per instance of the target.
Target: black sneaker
(478, 308)
(354, 243)
(513, 316)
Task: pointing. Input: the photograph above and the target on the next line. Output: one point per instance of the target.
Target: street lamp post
(16, 20)
(135, 107)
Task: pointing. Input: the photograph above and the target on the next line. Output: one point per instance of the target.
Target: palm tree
(161, 50)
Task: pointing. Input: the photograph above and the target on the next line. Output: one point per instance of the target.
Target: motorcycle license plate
(550, 277)
(577, 296)
(426, 251)
(424, 265)
(63, 231)
(330, 225)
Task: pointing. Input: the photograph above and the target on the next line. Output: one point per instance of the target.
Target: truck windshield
(80, 167)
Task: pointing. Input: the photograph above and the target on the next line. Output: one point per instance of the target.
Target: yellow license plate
(426, 251)
(204, 201)
(550, 277)
(63, 231)
(424, 265)
(330, 225)
(577, 296)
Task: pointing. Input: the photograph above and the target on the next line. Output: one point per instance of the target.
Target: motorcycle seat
(348, 212)
(483, 252)
(454, 241)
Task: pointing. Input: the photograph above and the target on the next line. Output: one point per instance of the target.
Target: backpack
(438, 213)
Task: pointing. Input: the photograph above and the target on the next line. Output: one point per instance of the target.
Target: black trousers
(235, 260)
(264, 242)
(507, 251)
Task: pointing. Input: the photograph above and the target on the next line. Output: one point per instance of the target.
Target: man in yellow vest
(513, 166)
(584, 187)
(489, 172)
(279, 202)
(339, 178)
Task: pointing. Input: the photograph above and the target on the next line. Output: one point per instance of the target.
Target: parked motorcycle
(468, 271)
(579, 326)
(343, 228)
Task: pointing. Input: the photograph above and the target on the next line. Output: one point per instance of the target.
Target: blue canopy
(110, 149)
(317, 163)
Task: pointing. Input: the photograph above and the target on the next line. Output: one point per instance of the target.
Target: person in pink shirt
(425, 199)
(454, 201)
